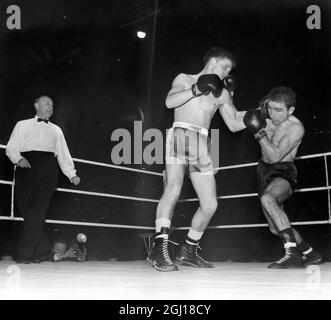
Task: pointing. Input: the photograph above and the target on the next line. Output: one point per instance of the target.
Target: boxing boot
(188, 255)
(159, 255)
(291, 259)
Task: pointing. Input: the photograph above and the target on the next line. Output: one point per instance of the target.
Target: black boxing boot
(291, 259)
(312, 257)
(309, 255)
(159, 254)
(188, 255)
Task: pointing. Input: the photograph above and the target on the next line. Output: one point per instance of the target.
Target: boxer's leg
(310, 255)
(272, 227)
(159, 255)
(165, 208)
(275, 194)
(205, 187)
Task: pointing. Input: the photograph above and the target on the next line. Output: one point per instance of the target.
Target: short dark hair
(221, 53)
(282, 94)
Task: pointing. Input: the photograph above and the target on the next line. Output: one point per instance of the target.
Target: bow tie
(44, 120)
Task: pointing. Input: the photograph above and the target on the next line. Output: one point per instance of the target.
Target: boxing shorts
(267, 172)
(189, 145)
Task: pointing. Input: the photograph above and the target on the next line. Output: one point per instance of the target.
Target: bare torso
(199, 110)
(276, 133)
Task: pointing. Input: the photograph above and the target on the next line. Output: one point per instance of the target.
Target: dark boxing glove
(208, 83)
(230, 83)
(263, 107)
(255, 122)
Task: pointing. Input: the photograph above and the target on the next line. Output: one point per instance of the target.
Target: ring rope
(116, 166)
(108, 225)
(107, 195)
(246, 195)
(82, 223)
(102, 164)
(255, 225)
(327, 183)
(6, 182)
(250, 164)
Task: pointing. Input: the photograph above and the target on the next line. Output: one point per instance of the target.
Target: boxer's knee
(268, 200)
(173, 188)
(209, 206)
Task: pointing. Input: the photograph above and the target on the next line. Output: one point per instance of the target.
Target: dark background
(85, 55)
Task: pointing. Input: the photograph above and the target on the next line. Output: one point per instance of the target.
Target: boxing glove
(255, 122)
(263, 106)
(208, 83)
(230, 83)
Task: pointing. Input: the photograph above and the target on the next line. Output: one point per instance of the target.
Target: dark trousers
(34, 188)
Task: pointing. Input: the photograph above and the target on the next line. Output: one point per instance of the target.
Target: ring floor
(137, 280)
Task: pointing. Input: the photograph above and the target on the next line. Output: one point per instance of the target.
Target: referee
(37, 146)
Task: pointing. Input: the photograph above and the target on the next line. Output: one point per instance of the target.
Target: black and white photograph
(175, 152)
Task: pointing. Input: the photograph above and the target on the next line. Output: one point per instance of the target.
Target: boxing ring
(126, 280)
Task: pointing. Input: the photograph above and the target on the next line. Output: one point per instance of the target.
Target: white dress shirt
(31, 135)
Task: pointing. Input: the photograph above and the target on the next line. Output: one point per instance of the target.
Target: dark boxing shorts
(267, 172)
(189, 145)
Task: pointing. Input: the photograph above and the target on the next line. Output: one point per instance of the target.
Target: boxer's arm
(231, 116)
(178, 95)
(275, 153)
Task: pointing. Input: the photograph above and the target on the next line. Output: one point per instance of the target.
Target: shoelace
(286, 257)
(196, 252)
(165, 252)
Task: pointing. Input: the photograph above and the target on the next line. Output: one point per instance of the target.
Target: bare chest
(275, 134)
(206, 105)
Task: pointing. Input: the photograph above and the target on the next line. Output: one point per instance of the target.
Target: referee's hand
(24, 163)
(75, 180)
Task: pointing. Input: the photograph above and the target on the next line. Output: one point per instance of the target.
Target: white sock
(290, 245)
(194, 235)
(308, 251)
